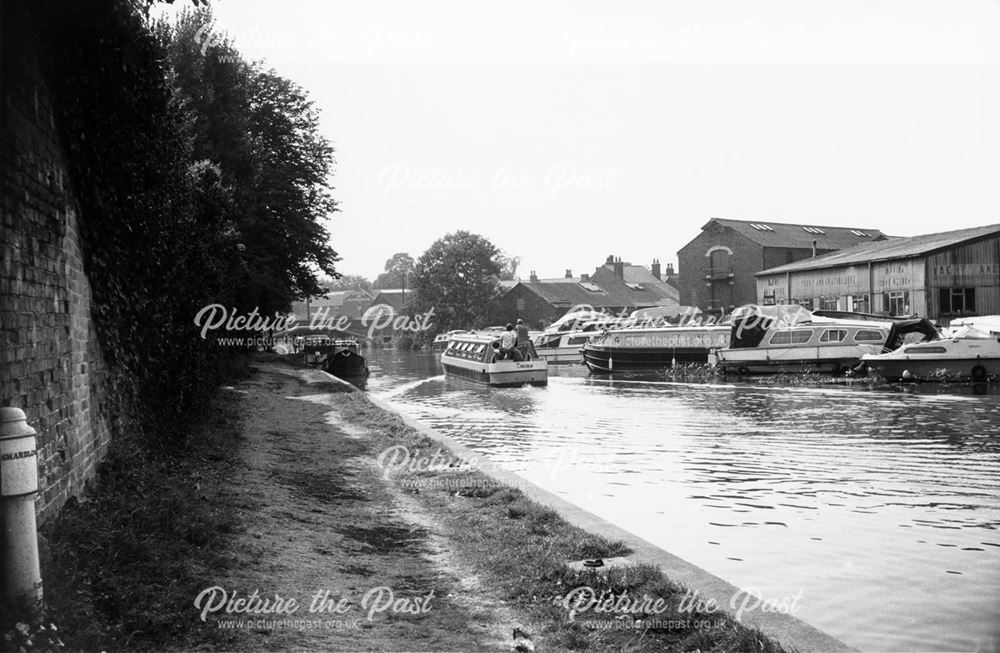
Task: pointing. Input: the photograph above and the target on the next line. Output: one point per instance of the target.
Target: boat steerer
(22, 578)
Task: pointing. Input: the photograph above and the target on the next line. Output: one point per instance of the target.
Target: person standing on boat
(508, 341)
(523, 339)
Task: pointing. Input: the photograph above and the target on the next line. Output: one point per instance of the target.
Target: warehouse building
(717, 267)
(940, 276)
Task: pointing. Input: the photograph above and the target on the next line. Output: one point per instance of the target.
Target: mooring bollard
(22, 576)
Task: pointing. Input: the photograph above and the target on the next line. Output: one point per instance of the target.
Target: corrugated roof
(801, 236)
(895, 248)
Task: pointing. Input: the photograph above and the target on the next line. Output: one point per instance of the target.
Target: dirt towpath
(318, 517)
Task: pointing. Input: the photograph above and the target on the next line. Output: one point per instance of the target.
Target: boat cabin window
(927, 350)
(834, 335)
(577, 340)
(869, 335)
(791, 337)
(480, 348)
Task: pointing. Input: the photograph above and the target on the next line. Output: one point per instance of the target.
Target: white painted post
(22, 576)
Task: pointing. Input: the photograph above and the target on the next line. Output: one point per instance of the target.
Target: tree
(348, 282)
(458, 277)
(398, 269)
(262, 132)
(508, 267)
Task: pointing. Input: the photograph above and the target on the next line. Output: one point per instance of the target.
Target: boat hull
(501, 373)
(561, 354)
(346, 363)
(912, 368)
(792, 360)
(618, 359)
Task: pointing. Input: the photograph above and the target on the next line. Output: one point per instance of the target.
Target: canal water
(879, 509)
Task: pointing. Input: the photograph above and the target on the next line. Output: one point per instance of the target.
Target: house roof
(605, 290)
(352, 303)
(799, 236)
(395, 297)
(895, 248)
(637, 275)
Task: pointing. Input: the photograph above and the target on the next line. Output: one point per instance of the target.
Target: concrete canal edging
(787, 629)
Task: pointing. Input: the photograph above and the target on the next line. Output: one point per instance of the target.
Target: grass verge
(120, 567)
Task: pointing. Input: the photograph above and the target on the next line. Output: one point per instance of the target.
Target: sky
(567, 131)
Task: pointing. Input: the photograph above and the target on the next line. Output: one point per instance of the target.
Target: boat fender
(906, 375)
(978, 373)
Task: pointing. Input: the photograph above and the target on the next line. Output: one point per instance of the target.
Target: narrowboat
(643, 348)
(813, 341)
(344, 359)
(968, 349)
(476, 356)
(441, 340)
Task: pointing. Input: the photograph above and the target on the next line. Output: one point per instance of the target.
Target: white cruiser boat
(476, 356)
(561, 341)
(565, 346)
(821, 341)
(969, 348)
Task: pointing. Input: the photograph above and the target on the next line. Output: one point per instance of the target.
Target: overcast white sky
(566, 131)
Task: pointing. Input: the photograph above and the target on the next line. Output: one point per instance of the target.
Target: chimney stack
(619, 268)
(584, 277)
(611, 259)
(533, 277)
(656, 269)
(569, 273)
(670, 269)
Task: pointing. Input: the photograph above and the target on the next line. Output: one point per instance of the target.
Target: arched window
(719, 260)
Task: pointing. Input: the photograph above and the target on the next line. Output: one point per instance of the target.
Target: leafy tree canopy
(458, 276)
(398, 269)
(262, 131)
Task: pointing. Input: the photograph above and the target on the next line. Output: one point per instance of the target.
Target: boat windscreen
(747, 332)
(905, 332)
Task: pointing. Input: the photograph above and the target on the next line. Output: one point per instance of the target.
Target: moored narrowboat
(344, 359)
(626, 349)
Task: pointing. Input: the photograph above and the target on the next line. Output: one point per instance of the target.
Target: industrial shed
(940, 276)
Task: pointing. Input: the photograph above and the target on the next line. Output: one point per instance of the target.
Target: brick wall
(51, 360)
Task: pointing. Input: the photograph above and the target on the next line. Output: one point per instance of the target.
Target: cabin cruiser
(821, 341)
(561, 341)
(565, 346)
(638, 348)
(476, 356)
(969, 348)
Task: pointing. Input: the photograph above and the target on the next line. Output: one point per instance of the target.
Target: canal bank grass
(120, 566)
(520, 550)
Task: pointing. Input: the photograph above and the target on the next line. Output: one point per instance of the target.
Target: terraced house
(614, 287)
